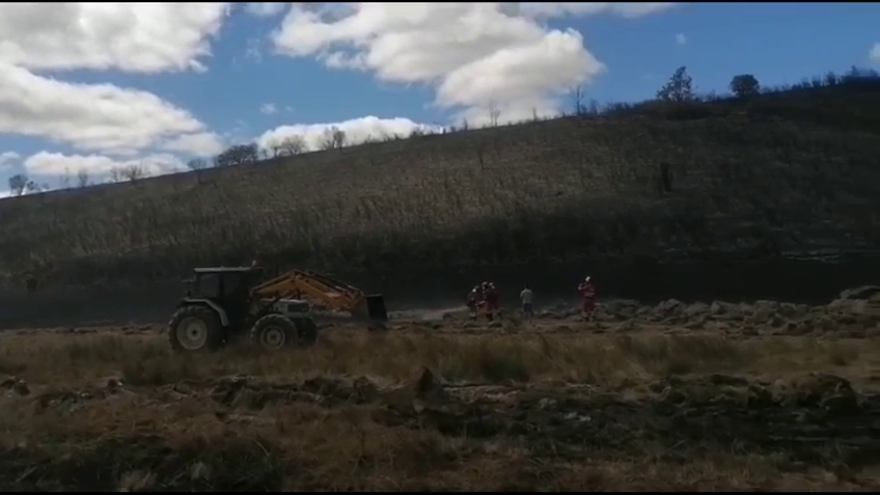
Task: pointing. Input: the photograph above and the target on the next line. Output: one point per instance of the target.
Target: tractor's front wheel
(276, 331)
(195, 329)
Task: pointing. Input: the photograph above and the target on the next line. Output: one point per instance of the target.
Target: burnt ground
(666, 399)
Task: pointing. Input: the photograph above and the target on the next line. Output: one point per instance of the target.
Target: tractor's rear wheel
(276, 331)
(195, 329)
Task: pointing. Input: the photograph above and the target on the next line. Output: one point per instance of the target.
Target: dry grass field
(789, 173)
(765, 396)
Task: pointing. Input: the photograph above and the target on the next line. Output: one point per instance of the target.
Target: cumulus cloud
(477, 55)
(874, 53)
(623, 9)
(356, 131)
(134, 37)
(9, 159)
(57, 164)
(680, 39)
(100, 117)
(141, 38)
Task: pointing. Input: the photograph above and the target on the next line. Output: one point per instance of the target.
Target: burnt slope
(791, 175)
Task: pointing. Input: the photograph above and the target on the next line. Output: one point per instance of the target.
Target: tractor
(224, 302)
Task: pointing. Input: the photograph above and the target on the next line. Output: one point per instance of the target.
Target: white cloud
(268, 108)
(134, 37)
(874, 53)
(680, 39)
(9, 159)
(356, 131)
(474, 53)
(144, 38)
(623, 9)
(100, 117)
(265, 9)
(56, 164)
(200, 144)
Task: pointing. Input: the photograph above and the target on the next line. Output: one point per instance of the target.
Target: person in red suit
(493, 307)
(588, 292)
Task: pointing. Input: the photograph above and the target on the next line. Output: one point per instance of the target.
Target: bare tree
(197, 164)
(679, 88)
(32, 187)
(239, 154)
(292, 145)
(494, 113)
(577, 96)
(82, 177)
(115, 174)
(18, 183)
(334, 138)
(65, 178)
(134, 172)
(745, 85)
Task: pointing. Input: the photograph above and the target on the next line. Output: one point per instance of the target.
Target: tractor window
(233, 284)
(207, 285)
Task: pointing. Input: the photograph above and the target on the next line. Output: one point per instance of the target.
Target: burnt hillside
(791, 174)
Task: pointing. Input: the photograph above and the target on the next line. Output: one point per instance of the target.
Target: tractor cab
(221, 282)
(227, 287)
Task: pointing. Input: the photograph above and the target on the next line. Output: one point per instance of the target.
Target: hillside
(791, 174)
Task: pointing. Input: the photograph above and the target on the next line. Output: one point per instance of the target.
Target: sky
(87, 88)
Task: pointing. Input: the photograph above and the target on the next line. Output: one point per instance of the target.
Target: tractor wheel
(273, 332)
(195, 329)
(307, 331)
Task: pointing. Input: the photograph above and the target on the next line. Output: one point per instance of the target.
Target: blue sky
(267, 77)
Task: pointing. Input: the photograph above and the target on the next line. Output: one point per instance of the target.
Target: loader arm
(314, 287)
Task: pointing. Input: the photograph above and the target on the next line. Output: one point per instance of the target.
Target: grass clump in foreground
(165, 429)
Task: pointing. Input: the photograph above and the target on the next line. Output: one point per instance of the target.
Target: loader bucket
(376, 310)
(371, 308)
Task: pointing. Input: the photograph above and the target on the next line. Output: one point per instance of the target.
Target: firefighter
(527, 297)
(588, 292)
(490, 295)
(474, 298)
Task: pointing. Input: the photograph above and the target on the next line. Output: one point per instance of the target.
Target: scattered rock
(16, 386)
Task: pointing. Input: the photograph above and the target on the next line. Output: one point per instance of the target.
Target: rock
(864, 292)
(735, 381)
(622, 308)
(813, 389)
(764, 311)
(16, 386)
(672, 395)
(667, 309)
(697, 310)
(725, 311)
(841, 404)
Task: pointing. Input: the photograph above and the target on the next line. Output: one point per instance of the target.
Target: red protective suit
(493, 303)
(588, 293)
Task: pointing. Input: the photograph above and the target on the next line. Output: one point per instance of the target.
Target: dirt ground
(766, 396)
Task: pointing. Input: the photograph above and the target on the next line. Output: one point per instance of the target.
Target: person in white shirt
(527, 297)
